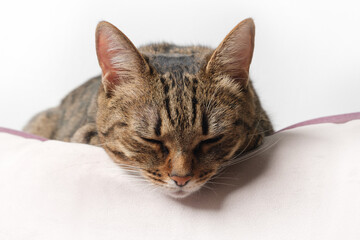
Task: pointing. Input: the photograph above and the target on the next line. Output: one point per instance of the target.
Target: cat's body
(176, 114)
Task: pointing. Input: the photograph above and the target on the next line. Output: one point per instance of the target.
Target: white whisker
(253, 154)
(221, 183)
(253, 134)
(225, 178)
(211, 189)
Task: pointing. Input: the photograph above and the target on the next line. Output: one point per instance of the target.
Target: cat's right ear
(118, 58)
(233, 55)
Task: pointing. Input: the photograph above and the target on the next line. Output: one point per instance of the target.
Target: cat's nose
(181, 181)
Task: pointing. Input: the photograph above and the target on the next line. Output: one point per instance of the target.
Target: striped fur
(163, 109)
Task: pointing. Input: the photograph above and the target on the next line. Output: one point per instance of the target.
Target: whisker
(219, 177)
(129, 166)
(221, 183)
(154, 188)
(211, 189)
(253, 154)
(252, 136)
(247, 145)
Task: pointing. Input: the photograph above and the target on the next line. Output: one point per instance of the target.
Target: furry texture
(175, 115)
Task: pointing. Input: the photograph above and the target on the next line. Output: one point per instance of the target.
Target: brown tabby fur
(165, 110)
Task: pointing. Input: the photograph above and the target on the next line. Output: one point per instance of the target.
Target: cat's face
(174, 126)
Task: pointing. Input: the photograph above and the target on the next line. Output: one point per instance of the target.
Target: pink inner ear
(105, 56)
(237, 53)
(234, 54)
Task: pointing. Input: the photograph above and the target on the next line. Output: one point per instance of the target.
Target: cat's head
(176, 115)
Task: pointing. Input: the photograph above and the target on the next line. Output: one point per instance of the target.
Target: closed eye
(162, 146)
(212, 140)
(209, 141)
(149, 140)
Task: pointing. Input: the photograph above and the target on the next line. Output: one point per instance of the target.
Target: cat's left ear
(233, 56)
(119, 59)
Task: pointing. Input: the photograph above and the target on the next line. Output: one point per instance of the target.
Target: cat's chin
(182, 192)
(179, 194)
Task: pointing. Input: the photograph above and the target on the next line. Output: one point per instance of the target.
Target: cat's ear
(118, 58)
(233, 56)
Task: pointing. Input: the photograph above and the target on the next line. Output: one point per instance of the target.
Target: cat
(176, 114)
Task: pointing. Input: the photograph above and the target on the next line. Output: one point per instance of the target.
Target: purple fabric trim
(342, 118)
(22, 134)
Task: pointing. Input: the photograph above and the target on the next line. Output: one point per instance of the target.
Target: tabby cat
(177, 115)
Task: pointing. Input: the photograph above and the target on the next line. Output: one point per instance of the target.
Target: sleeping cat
(177, 115)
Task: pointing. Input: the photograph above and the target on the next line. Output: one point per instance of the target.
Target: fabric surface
(304, 183)
(341, 118)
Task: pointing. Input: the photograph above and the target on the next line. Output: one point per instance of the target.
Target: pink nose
(180, 181)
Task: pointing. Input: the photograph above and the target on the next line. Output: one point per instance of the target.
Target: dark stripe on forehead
(162, 80)
(167, 106)
(166, 89)
(194, 100)
(158, 126)
(194, 103)
(205, 124)
(167, 100)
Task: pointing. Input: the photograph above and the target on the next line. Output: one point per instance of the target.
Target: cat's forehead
(170, 58)
(175, 63)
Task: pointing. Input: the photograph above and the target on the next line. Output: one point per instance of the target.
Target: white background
(306, 62)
